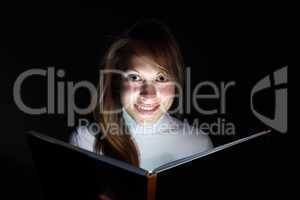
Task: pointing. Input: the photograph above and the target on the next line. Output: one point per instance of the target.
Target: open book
(69, 172)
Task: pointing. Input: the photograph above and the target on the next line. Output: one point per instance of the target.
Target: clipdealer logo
(276, 81)
(57, 104)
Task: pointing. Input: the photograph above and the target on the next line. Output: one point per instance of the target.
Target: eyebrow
(161, 70)
(128, 70)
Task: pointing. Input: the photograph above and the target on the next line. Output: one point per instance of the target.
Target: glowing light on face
(147, 90)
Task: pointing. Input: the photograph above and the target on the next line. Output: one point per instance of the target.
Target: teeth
(145, 108)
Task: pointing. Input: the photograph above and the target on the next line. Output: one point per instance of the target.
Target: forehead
(144, 64)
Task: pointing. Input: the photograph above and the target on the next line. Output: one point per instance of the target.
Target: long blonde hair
(148, 38)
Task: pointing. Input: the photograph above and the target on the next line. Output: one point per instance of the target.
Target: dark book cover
(69, 172)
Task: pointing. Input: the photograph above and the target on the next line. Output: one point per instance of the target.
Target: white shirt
(166, 140)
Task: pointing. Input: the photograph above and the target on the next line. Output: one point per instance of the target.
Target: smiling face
(147, 90)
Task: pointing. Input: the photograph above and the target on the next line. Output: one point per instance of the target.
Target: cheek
(166, 93)
(129, 94)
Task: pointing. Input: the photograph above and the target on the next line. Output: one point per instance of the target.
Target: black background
(243, 45)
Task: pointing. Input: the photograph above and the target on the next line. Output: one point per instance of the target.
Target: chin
(148, 118)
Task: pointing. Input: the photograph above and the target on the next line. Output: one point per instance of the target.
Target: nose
(148, 91)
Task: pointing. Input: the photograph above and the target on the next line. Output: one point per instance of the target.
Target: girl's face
(147, 90)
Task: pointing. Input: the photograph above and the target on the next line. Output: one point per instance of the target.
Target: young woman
(138, 101)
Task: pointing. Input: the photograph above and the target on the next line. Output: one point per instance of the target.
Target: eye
(133, 77)
(162, 78)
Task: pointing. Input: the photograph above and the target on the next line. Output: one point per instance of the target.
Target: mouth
(146, 109)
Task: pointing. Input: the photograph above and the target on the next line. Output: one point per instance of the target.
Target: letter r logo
(279, 122)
